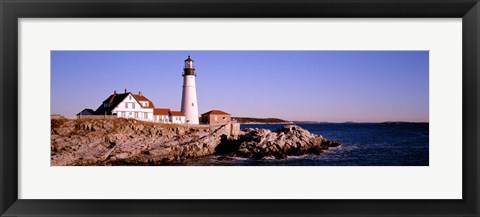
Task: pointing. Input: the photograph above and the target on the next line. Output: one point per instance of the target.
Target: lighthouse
(189, 95)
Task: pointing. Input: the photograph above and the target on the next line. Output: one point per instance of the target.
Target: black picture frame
(12, 10)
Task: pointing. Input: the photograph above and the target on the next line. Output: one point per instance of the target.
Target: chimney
(115, 92)
(140, 93)
(125, 90)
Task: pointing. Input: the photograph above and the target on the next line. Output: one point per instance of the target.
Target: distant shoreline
(259, 123)
(251, 120)
(311, 122)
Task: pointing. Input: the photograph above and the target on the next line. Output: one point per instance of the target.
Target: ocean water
(363, 144)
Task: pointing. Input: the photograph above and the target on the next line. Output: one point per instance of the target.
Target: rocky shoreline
(133, 142)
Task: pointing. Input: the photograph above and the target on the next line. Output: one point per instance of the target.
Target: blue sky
(334, 86)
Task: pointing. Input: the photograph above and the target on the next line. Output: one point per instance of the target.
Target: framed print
(321, 108)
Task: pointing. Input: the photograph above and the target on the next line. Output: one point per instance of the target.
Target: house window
(146, 104)
(126, 105)
(215, 118)
(136, 114)
(224, 118)
(145, 115)
(130, 97)
(130, 113)
(193, 104)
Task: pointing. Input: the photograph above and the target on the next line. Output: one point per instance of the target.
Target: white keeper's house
(137, 106)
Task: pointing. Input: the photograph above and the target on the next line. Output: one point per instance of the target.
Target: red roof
(161, 111)
(215, 112)
(143, 98)
(113, 100)
(176, 113)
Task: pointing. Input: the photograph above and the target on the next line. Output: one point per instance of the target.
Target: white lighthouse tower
(189, 95)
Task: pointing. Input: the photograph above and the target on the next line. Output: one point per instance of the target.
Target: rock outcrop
(262, 143)
(133, 142)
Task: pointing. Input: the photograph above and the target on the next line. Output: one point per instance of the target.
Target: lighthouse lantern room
(189, 69)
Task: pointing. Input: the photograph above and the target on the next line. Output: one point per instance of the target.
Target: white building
(137, 106)
(162, 115)
(177, 117)
(189, 94)
(131, 106)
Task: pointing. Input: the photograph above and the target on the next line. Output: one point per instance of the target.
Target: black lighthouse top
(189, 69)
